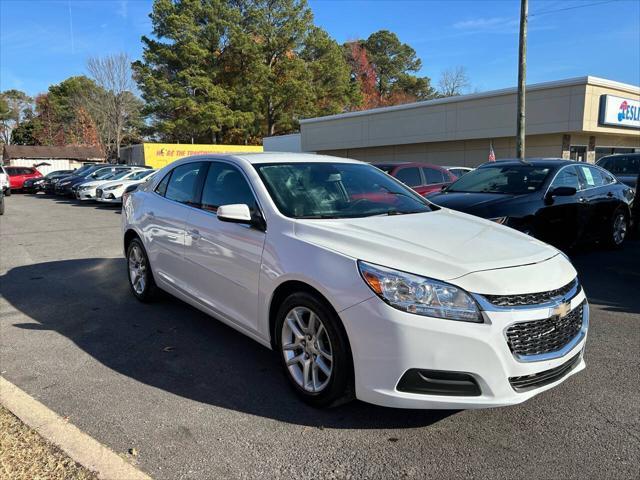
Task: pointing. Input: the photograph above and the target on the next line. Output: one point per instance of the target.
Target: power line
(544, 12)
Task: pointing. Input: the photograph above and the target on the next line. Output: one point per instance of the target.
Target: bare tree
(116, 103)
(453, 81)
(15, 107)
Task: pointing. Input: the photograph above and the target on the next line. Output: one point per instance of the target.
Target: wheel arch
(287, 288)
(129, 235)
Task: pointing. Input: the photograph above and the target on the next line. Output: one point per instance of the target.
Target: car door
(224, 258)
(166, 211)
(602, 199)
(562, 219)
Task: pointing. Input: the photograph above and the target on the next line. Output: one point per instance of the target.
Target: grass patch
(26, 455)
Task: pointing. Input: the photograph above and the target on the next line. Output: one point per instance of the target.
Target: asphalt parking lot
(198, 400)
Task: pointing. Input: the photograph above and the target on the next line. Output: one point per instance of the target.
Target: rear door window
(593, 177)
(432, 176)
(409, 176)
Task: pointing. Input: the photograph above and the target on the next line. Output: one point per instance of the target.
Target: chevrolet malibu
(363, 288)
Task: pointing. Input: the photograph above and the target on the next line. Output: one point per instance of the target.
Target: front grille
(531, 298)
(544, 336)
(529, 382)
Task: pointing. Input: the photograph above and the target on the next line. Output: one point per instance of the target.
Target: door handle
(194, 234)
(609, 194)
(582, 200)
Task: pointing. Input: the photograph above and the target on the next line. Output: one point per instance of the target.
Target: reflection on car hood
(468, 202)
(442, 244)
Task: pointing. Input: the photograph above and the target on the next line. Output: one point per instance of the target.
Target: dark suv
(625, 166)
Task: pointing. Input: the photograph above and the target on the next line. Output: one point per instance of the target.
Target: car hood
(93, 183)
(466, 202)
(443, 244)
(124, 183)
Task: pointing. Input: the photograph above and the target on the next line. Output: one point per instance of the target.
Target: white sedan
(111, 191)
(88, 190)
(363, 287)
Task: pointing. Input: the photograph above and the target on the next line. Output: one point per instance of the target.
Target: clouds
(483, 24)
(123, 9)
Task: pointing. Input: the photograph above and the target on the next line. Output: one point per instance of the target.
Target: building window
(578, 153)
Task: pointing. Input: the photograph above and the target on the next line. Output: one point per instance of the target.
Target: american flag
(492, 154)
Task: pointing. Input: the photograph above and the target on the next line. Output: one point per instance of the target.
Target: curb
(82, 448)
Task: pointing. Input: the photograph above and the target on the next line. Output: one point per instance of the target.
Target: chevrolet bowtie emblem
(561, 310)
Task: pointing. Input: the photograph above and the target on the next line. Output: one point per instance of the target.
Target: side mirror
(559, 192)
(236, 213)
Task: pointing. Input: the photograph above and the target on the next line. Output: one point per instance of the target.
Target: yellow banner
(157, 155)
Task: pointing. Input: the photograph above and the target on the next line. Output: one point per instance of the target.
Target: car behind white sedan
(112, 191)
(362, 287)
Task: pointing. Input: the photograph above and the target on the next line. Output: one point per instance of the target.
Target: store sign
(619, 112)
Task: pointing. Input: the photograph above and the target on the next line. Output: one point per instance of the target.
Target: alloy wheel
(137, 269)
(619, 228)
(307, 350)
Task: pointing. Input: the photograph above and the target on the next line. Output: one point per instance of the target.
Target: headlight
(113, 187)
(500, 220)
(420, 295)
(85, 187)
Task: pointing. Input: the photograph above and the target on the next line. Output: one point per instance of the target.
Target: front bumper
(386, 343)
(88, 194)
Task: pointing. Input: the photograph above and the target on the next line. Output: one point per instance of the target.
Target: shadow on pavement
(611, 278)
(63, 200)
(173, 347)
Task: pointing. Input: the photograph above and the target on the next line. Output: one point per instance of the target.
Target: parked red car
(17, 176)
(422, 177)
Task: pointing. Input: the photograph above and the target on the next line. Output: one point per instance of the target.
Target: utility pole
(522, 80)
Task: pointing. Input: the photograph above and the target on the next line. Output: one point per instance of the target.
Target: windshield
(509, 179)
(337, 190)
(141, 174)
(120, 174)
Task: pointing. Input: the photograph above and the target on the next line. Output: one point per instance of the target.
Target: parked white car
(87, 190)
(362, 286)
(459, 171)
(5, 186)
(111, 191)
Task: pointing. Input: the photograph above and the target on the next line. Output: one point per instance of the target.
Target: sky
(42, 42)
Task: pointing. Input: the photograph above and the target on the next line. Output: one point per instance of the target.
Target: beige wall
(468, 153)
(550, 110)
(457, 131)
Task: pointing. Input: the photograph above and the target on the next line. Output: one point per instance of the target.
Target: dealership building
(580, 118)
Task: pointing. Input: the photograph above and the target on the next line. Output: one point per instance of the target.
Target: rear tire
(139, 273)
(314, 351)
(618, 229)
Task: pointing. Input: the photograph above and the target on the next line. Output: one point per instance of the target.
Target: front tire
(314, 351)
(618, 229)
(139, 272)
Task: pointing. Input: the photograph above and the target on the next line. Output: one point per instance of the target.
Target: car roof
(536, 162)
(406, 164)
(285, 157)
